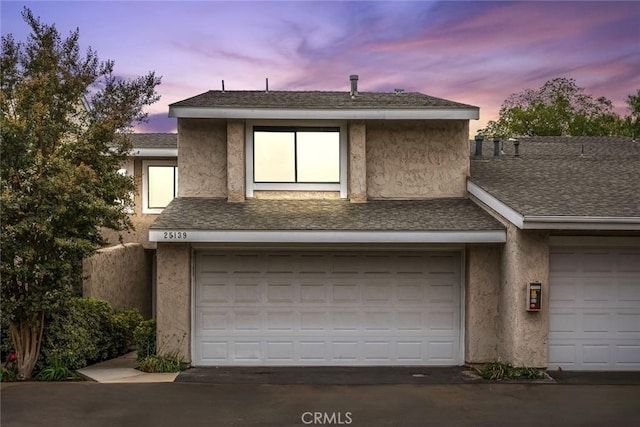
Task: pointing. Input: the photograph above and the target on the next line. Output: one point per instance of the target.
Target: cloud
(158, 123)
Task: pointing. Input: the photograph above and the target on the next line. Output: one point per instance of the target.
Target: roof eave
(154, 152)
(329, 236)
(442, 113)
(552, 222)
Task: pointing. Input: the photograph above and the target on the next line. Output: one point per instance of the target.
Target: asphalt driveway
(190, 404)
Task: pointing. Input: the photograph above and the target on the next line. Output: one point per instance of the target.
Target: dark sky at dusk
(473, 52)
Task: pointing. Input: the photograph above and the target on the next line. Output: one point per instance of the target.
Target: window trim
(252, 186)
(145, 183)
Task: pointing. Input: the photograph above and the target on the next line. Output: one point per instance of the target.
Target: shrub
(161, 363)
(124, 325)
(85, 331)
(145, 338)
(9, 368)
(77, 334)
(506, 371)
(57, 372)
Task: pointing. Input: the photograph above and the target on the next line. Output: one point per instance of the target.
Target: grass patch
(57, 372)
(506, 371)
(161, 363)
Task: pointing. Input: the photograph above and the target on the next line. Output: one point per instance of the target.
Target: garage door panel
(629, 262)
(378, 292)
(629, 291)
(410, 291)
(594, 318)
(598, 262)
(280, 351)
(214, 293)
(287, 312)
(628, 323)
(628, 355)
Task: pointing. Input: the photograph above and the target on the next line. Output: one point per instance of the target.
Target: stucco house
(153, 163)
(342, 229)
(571, 206)
(124, 274)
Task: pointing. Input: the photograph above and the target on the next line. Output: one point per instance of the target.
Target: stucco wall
(481, 302)
(202, 158)
(524, 335)
(357, 162)
(417, 159)
(140, 234)
(173, 293)
(121, 275)
(140, 221)
(236, 161)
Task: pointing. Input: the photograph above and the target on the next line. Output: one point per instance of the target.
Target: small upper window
(290, 158)
(160, 185)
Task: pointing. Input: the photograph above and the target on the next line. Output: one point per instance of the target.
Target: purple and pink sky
(473, 52)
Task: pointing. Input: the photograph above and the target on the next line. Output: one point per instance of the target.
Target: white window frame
(252, 186)
(145, 183)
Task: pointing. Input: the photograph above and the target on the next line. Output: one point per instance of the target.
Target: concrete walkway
(121, 370)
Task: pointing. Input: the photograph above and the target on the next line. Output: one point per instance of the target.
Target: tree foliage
(559, 108)
(63, 125)
(632, 121)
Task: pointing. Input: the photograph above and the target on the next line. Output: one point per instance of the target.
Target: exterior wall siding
(236, 175)
(121, 275)
(202, 158)
(357, 173)
(140, 221)
(417, 159)
(524, 335)
(173, 290)
(482, 290)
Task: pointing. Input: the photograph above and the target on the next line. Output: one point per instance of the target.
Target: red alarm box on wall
(534, 296)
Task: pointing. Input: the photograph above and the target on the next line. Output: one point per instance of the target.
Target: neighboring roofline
(443, 113)
(552, 222)
(154, 152)
(333, 236)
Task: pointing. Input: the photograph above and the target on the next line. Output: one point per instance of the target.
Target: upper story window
(160, 184)
(309, 157)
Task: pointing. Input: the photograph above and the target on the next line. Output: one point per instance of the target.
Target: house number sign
(175, 235)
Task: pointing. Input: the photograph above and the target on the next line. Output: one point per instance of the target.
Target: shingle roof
(338, 215)
(564, 176)
(317, 100)
(154, 140)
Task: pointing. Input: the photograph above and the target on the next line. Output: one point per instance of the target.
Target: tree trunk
(26, 335)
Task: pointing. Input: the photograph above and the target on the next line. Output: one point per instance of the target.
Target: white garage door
(323, 309)
(594, 309)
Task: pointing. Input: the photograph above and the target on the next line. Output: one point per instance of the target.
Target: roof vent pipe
(516, 147)
(496, 148)
(354, 85)
(267, 84)
(478, 154)
(223, 86)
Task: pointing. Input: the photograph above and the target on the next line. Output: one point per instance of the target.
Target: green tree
(632, 121)
(559, 108)
(64, 121)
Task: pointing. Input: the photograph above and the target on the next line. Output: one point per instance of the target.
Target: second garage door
(594, 309)
(327, 309)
